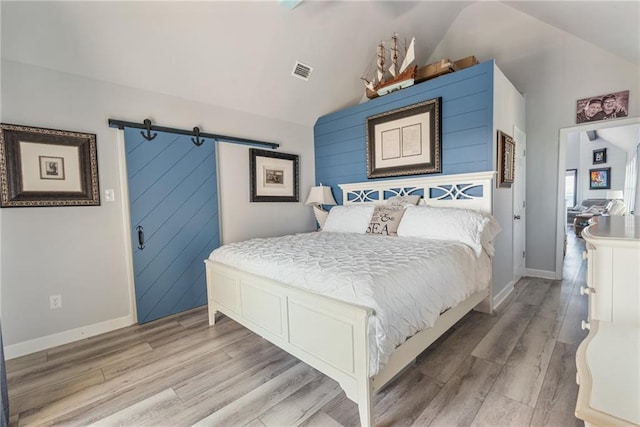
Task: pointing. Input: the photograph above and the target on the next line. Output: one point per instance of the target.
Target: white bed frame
(331, 335)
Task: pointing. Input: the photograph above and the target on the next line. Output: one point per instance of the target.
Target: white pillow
(462, 225)
(349, 219)
(489, 234)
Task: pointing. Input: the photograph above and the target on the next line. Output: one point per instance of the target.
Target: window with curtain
(570, 186)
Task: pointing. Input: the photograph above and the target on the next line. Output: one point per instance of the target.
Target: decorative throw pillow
(348, 219)
(598, 210)
(385, 220)
(402, 201)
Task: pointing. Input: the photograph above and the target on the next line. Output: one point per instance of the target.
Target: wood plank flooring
(513, 368)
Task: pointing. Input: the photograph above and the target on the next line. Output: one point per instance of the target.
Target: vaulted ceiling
(240, 54)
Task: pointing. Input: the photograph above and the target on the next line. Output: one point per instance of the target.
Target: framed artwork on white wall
(47, 167)
(273, 176)
(600, 179)
(602, 107)
(506, 159)
(600, 156)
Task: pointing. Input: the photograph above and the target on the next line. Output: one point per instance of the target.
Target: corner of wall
(508, 113)
(1, 120)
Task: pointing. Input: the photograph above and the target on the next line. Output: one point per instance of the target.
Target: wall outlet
(55, 301)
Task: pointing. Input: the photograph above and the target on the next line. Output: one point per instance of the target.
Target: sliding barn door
(173, 197)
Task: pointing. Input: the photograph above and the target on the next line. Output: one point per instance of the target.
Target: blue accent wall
(467, 127)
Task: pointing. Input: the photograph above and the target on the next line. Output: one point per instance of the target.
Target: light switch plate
(109, 195)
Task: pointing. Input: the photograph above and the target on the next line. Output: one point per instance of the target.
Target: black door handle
(516, 217)
(140, 237)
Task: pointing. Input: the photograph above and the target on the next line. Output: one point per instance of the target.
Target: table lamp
(615, 195)
(318, 196)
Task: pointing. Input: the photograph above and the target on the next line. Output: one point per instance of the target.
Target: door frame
(520, 185)
(126, 230)
(562, 164)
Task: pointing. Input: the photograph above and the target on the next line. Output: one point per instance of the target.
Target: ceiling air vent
(302, 71)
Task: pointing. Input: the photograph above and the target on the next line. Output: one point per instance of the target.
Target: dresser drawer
(625, 297)
(600, 272)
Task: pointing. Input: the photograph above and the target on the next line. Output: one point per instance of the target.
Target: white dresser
(608, 360)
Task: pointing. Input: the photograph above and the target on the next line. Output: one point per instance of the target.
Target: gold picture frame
(405, 141)
(506, 159)
(47, 167)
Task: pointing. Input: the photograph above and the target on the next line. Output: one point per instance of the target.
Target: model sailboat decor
(394, 69)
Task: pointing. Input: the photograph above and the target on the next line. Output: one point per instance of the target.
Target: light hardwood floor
(513, 368)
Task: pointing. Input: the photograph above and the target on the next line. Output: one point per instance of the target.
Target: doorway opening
(629, 127)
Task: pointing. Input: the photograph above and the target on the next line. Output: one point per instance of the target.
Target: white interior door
(519, 204)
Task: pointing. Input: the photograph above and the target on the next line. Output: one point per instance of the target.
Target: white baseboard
(542, 274)
(49, 341)
(487, 306)
(503, 294)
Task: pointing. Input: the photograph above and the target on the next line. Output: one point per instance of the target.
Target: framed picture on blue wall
(405, 141)
(600, 156)
(600, 179)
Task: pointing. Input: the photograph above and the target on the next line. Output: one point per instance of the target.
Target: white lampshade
(615, 195)
(320, 195)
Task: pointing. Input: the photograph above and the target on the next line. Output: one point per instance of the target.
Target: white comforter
(407, 281)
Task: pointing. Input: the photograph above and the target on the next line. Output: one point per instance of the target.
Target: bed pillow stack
(475, 229)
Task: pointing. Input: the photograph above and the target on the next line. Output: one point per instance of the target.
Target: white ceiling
(625, 137)
(240, 54)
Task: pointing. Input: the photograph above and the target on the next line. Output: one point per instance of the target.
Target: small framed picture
(600, 179)
(274, 176)
(600, 156)
(506, 160)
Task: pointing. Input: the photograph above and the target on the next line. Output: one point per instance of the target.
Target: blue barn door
(173, 199)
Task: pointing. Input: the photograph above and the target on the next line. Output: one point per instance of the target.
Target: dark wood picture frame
(274, 176)
(47, 167)
(600, 156)
(506, 159)
(600, 179)
(405, 141)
